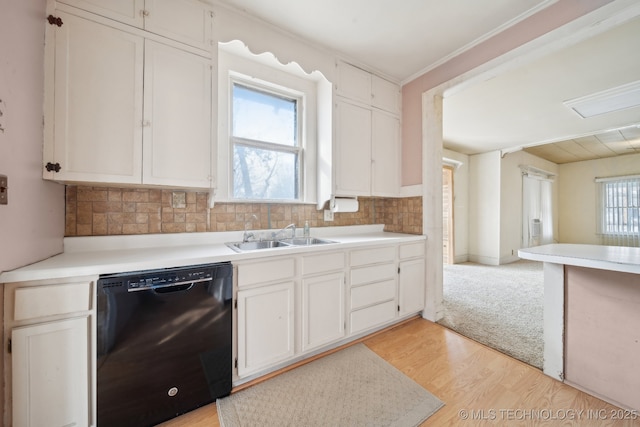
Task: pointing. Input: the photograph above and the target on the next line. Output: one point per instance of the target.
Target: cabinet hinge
(235, 363)
(9, 346)
(398, 270)
(398, 308)
(53, 167)
(55, 20)
(235, 303)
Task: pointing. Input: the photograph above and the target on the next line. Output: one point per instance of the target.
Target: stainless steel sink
(252, 246)
(306, 241)
(270, 244)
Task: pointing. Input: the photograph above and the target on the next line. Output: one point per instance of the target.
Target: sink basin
(305, 241)
(269, 244)
(252, 246)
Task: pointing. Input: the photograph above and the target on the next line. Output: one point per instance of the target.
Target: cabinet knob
(53, 167)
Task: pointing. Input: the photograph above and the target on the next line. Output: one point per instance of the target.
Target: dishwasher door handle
(171, 287)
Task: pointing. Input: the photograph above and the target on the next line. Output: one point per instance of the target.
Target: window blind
(619, 210)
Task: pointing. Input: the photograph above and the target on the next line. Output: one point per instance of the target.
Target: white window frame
(298, 149)
(623, 233)
(272, 76)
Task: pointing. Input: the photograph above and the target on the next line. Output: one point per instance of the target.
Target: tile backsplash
(102, 211)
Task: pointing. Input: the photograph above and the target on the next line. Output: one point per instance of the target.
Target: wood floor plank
(479, 385)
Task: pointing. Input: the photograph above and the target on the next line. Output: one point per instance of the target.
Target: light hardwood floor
(478, 385)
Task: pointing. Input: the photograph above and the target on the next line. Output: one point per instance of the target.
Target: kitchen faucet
(282, 230)
(248, 235)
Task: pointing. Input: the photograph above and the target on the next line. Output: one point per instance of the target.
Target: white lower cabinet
(291, 307)
(411, 280)
(372, 287)
(411, 289)
(265, 327)
(49, 357)
(323, 310)
(51, 374)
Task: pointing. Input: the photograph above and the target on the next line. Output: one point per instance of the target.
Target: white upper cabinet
(177, 117)
(362, 86)
(124, 106)
(385, 95)
(353, 83)
(186, 21)
(385, 152)
(352, 150)
(94, 115)
(366, 134)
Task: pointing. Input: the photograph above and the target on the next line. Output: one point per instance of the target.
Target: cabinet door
(50, 374)
(125, 11)
(385, 145)
(265, 327)
(353, 150)
(97, 105)
(385, 95)
(186, 21)
(411, 286)
(353, 83)
(177, 111)
(322, 310)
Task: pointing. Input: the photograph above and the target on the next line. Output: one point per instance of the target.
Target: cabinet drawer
(373, 293)
(374, 273)
(412, 250)
(40, 301)
(267, 271)
(372, 316)
(373, 256)
(322, 263)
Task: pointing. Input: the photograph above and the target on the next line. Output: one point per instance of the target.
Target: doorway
(448, 244)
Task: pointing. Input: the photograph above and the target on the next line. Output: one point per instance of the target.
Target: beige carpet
(499, 306)
(352, 387)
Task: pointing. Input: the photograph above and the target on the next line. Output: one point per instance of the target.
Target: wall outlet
(328, 215)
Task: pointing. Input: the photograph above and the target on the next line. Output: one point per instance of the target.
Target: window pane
(264, 174)
(263, 117)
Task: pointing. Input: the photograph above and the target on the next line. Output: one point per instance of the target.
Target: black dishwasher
(163, 344)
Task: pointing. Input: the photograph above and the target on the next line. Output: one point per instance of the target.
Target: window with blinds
(619, 210)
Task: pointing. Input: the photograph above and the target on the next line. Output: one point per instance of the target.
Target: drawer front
(372, 294)
(323, 263)
(412, 250)
(372, 316)
(40, 301)
(267, 271)
(374, 273)
(373, 256)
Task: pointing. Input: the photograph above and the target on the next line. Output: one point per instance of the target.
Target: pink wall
(32, 224)
(602, 335)
(554, 16)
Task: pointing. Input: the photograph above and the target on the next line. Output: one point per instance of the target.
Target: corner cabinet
(49, 355)
(123, 105)
(366, 134)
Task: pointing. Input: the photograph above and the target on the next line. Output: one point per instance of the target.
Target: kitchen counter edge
(123, 254)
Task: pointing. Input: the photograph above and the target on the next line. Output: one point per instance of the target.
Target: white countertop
(614, 258)
(85, 256)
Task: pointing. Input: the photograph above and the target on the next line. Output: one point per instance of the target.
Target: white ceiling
(525, 106)
(522, 107)
(398, 39)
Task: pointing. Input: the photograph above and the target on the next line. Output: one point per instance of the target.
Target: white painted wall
(484, 208)
(511, 201)
(577, 195)
(460, 204)
(32, 224)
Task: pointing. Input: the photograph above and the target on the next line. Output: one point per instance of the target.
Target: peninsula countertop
(614, 258)
(85, 256)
